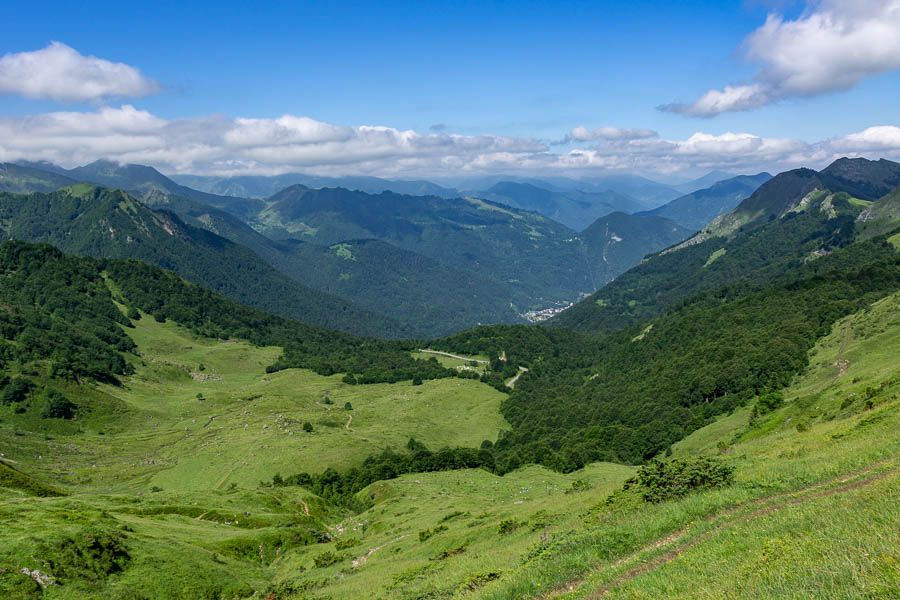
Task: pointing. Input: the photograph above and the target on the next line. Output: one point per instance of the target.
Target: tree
(57, 406)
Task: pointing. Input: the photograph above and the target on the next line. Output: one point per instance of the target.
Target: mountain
(696, 209)
(708, 180)
(573, 208)
(99, 222)
(21, 179)
(537, 259)
(792, 223)
(862, 178)
(646, 191)
(431, 297)
(620, 239)
(261, 186)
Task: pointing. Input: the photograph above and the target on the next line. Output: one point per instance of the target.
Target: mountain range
(508, 261)
(723, 411)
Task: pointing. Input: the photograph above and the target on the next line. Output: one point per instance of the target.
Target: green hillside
(506, 262)
(791, 222)
(106, 223)
(164, 495)
(21, 179)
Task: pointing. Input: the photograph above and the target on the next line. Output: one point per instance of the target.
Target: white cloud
(229, 146)
(63, 74)
(583, 134)
(831, 47)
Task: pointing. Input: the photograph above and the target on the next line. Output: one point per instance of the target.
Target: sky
(440, 89)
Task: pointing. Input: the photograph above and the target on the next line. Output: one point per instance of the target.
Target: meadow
(164, 495)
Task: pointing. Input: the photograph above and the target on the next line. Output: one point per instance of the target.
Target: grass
(714, 256)
(454, 363)
(812, 512)
(894, 240)
(244, 427)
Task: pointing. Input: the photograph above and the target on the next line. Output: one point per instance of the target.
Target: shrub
(417, 381)
(769, 402)
(57, 406)
(425, 534)
(579, 485)
(347, 543)
(91, 554)
(348, 406)
(666, 480)
(326, 559)
(16, 390)
(507, 526)
(477, 580)
(307, 427)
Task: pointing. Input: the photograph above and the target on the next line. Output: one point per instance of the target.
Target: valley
(718, 408)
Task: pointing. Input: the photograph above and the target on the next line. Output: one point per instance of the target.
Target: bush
(326, 559)
(57, 406)
(425, 534)
(347, 543)
(477, 580)
(348, 406)
(307, 427)
(769, 402)
(91, 554)
(666, 480)
(508, 526)
(15, 391)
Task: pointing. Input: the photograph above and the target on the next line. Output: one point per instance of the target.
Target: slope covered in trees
(106, 223)
(791, 221)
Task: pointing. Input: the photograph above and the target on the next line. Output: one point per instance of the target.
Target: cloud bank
(831, 47)
(229, 146)
(62, 74)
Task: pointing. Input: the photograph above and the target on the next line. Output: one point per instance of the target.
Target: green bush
(57, 406)
(666, 480)
(16, 390)
(476, 580)
(91, 554)
(326, 559)
(769, 402)
(508, 526)
(347, 543)
(426, 534)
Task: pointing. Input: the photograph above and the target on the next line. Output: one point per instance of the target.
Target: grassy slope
(829, 541)
(159, 419)
(833, 541)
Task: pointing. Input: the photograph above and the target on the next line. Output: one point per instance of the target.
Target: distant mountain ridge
(696, 209)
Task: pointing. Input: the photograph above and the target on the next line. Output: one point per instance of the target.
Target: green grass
(454, 363)
(894, 240)
(246, 427)
(715, 255)
(169, 491)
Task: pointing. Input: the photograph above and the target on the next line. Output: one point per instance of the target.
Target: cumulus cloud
(230, 146)
(63, 74)
(831, 47)
(583, 134)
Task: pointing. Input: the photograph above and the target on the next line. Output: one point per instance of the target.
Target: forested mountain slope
(106, 223)
(790, 222)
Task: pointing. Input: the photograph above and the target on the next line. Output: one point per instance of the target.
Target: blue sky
(526, 72)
